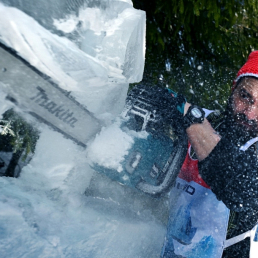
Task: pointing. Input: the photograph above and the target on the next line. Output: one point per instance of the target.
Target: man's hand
(171, 108)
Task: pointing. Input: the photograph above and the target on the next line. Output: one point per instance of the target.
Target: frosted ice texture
(46, 213)
(92, 48)
(55, 209)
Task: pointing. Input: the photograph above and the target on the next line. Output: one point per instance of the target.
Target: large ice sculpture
(45, 212)
(93, 49)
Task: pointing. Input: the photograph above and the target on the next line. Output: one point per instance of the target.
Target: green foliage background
(25, 135)
(206, 42)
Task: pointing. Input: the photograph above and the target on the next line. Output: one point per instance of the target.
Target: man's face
(244, 103)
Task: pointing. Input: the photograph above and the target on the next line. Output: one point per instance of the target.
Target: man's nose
(252, 113)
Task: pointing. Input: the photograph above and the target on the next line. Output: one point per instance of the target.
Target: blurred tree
(17, 136)
(197, 46)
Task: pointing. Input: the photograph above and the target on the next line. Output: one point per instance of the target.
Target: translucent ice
(46, 213)
(92, 49)
(60, 207)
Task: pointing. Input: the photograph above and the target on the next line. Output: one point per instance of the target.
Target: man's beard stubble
(238, 123)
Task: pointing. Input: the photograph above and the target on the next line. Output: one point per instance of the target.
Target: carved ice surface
(93, 49)
(45, 212)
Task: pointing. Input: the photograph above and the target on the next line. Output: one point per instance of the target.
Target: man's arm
(202, 137)
(231, 173)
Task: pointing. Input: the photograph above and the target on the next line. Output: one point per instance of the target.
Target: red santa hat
(250, 68)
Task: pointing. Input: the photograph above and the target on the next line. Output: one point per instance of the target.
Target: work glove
(171, 101)
(172, 109)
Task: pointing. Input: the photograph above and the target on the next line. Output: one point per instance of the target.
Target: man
(216, 195)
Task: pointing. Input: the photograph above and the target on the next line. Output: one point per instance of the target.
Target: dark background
(204, 42)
